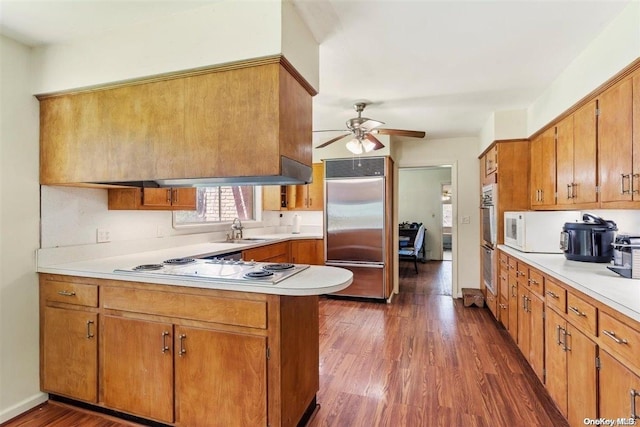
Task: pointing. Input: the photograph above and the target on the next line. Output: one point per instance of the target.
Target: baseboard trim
(19, 408)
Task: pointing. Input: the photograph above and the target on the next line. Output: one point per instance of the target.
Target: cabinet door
(156, 198)
(581, 377)
(308, 251)
(137, 367)
(315, 190)
(584, 156)
(615, 142)
(513, 309)
(523, 320)
(70, 353)
(183, 198)
(492, 303)
(636, 134)
(564, 160)
(536, 335)
(543, 169)
(556, 359)
(235, 390)
(271, 198)
(616, 389)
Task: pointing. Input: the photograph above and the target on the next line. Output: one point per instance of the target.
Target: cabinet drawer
(228, 311)
(581, 314)
(620, 338)
(277, 252)
(536, 282)
(555, 296)
(70, 293)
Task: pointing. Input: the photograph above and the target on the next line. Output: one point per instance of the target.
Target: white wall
(420, 200)
(615, 48)
(509, 124)
(217, 33)
(19, 217)
(71, 216)
(461, 154)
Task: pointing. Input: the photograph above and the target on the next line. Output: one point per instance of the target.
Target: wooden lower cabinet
(276, 252)
(234, 390)
(570, 364)
(307, 251)
(180, 356)
(619, 389)
(531, 329)
(137, 367)
(69, 353)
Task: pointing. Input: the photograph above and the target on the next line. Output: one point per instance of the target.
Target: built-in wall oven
(489, 235)
(488, 267)
(489, 221)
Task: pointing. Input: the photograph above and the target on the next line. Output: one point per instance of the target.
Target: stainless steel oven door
(488, 268)
(489, 225)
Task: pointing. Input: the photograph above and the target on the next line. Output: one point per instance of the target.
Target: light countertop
(316, 280)
(593, 279)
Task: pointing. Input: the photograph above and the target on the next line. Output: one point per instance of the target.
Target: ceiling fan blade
(331, 130)
(369, 124)
(401, 132)
(376, 141)
(331, 141)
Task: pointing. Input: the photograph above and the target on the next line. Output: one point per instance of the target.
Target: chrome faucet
(236, 229)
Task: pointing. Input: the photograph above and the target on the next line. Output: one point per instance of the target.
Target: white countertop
(593, 279)
(316, 280)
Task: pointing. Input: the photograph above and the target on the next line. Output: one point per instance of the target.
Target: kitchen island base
(176, 355)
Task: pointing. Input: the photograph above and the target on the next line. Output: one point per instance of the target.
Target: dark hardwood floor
(424, 360)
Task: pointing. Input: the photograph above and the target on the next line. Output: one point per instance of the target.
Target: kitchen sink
(245, 240)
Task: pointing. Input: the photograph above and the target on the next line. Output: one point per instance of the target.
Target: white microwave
(536, 231)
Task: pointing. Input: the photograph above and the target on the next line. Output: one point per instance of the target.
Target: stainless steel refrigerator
(357, 223)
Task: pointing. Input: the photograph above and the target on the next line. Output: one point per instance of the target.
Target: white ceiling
(438, 66)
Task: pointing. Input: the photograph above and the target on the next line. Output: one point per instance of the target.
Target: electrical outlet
(103, 235)
(466, 220)
(161, 231)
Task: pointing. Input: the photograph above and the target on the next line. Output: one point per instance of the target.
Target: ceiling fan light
(368, 145)
(355, 146)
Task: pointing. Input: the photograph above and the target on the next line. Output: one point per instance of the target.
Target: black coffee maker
(589, 240)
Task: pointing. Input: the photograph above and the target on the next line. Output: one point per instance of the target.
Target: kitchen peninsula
(178, 351)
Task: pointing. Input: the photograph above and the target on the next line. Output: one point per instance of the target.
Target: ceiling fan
(363, 130)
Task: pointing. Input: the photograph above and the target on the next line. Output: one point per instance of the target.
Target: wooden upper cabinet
(310, 197)
(121, 134)
(228, 122)
(543, 170)
(152, 199)
(279, 197)
(636, 133)
(615, 149)
(576, 159)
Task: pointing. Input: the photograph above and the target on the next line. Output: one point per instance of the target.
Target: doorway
(420, 199)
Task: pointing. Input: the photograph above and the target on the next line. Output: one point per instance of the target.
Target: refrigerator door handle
(347, 264)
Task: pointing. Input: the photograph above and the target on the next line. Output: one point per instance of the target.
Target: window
(219, 204)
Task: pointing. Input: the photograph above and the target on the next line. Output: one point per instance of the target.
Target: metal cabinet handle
(577, 312)
(558, 328)
(612, 335)
(564, 342)
(574, 190)
(622, 178)
(503, 306)
(169, 196)
(183, 350)
(553, 295)
(633, 393)
(165, 347)
(633, 187)
(569, 188)
(513, 288)
(67, 293)
(89, 333)
(524, 303)
(174, 196)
